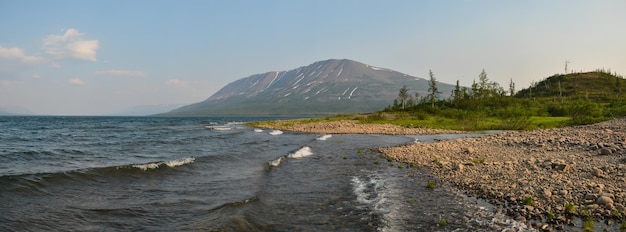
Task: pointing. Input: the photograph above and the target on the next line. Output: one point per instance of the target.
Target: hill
(598, 86)
(322, 88)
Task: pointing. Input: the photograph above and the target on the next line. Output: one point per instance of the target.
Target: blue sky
(101, 57)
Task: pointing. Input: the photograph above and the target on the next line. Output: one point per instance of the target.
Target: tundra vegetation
(559, 100)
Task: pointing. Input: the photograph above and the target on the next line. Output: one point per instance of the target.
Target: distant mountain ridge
(14, 110)
(324, 87)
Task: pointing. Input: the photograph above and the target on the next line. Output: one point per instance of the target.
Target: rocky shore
(349, 127)
(545, 177)
(548, 178)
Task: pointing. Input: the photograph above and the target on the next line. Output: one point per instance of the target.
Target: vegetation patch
(529, 201)
(478, 161)
(570, 208)
(442, 222)
(588, 225)
(431, 185)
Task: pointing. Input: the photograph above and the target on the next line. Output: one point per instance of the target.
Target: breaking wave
(324, 137)
(276, 132)
(276, 162)
(303, 152)
(171, 163)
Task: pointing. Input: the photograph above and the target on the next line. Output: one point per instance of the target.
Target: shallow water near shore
(216, 174)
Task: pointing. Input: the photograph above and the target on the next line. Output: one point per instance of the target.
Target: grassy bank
(429, 121)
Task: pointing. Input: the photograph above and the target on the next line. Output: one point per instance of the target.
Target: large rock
(606, 151)
(604, 200)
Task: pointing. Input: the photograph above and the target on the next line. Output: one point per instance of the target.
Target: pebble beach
(548, 178)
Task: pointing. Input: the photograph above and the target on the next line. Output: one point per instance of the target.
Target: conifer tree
(432, 89)
(403, 95)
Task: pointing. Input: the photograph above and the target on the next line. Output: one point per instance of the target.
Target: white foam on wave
(366, 191)
(218, 128)
(179, 162)
(258, 130)
(276, 132)
(171, 163)
(276, 162)
(303, 152)
(372, 193)
(324, 137)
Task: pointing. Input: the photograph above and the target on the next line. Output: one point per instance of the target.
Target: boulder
(597, 173)
(606, 151)
(604, 200)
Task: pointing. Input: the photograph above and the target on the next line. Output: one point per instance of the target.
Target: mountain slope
(324, 87)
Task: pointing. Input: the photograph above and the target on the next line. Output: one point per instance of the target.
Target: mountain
(143, 110)
(599, 86)
(14, 110)
(324, 87)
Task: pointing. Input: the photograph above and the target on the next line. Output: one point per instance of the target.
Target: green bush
(584, 112)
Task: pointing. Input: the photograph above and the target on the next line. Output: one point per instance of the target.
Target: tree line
(487, 99)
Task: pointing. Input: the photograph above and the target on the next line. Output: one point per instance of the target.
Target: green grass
(588, 225)
(529, 201)
(472, 124)
(584, 212)
(431, 185)
(479, 161)
(570, 208)
(549, 122)
(442, 222)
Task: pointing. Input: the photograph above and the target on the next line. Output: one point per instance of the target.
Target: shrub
(529, 201)
(442, 222)
(570, 208)
(584, 112)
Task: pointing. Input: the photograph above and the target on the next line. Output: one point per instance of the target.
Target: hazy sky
(98, 57)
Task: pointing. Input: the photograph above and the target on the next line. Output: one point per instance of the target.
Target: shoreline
(349, 127)
(548, 177)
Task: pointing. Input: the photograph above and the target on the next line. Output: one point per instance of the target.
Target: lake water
(215, 174)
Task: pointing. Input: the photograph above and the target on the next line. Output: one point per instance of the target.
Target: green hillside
(598, 86)
(559, 100)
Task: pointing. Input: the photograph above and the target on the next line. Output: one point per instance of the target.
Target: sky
(102, 57)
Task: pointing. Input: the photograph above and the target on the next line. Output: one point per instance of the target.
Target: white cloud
(18, 54)
(118, 72)
(71, 45)
(76, 81)
(36, 76)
